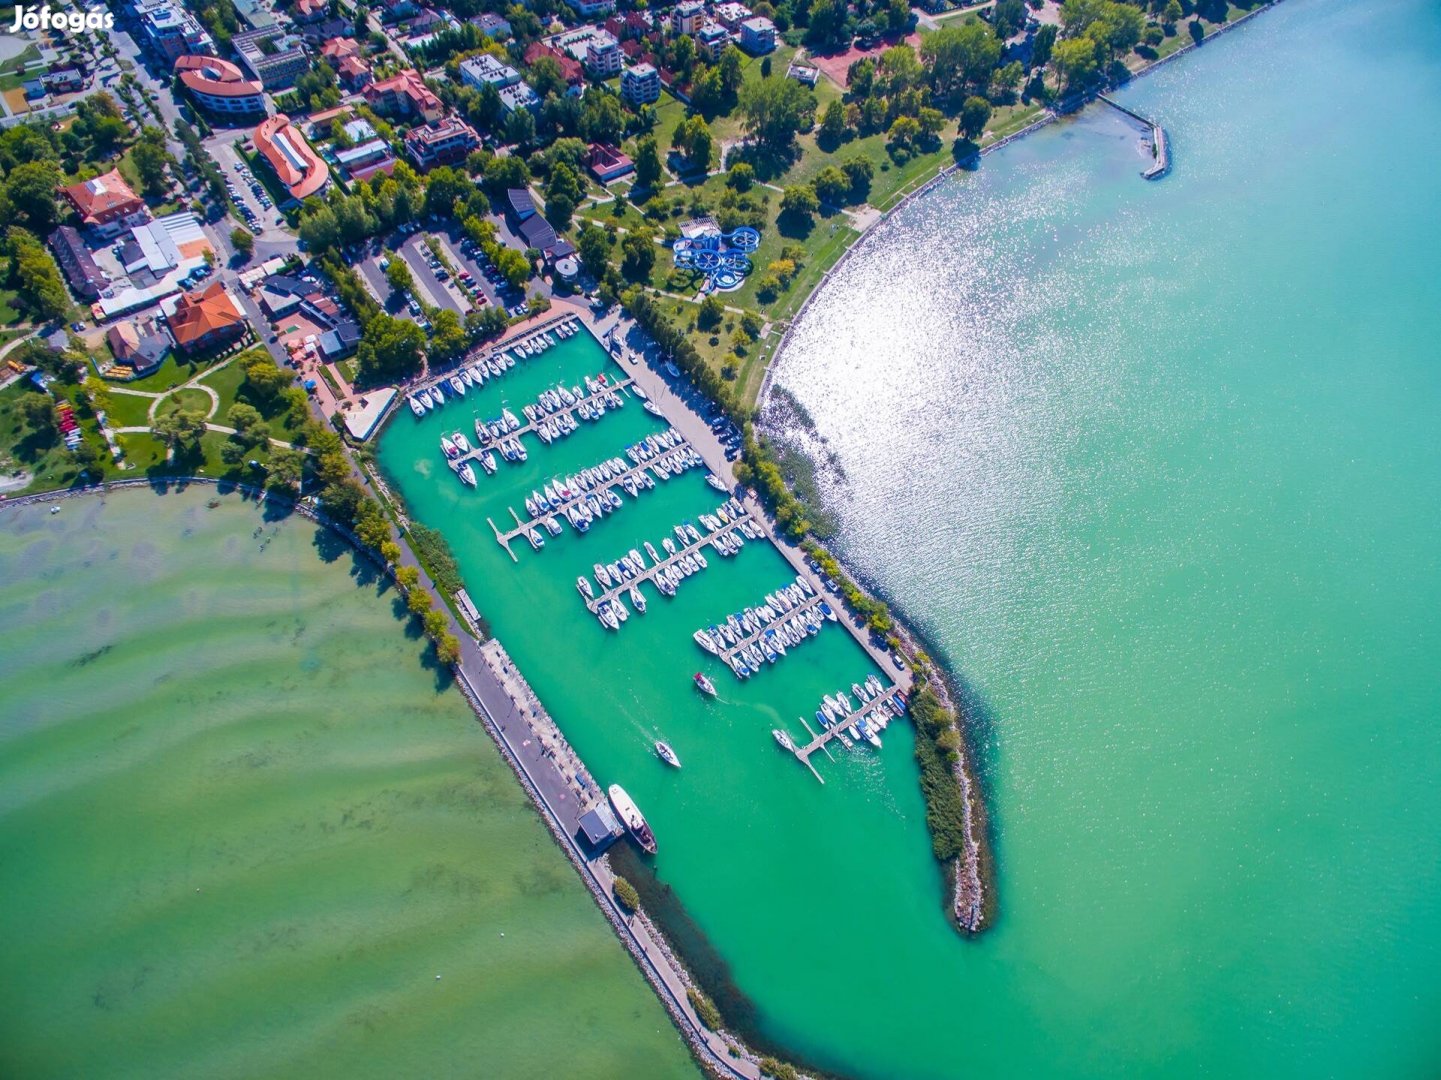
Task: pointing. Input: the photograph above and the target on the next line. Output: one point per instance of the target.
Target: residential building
(590, 9)
(293, 159)
(404, 95)
(174, 32)
(219, 87)
(519, 96)
(355, 73)
(87, 281)
(640, 84)
(758, 35)
(596, 49)
(688, 17)
(570, 68)
(337, 49)
(310, 11)
(492, 26)
(205, 319)
(607, 163)
(395, 10)
(106, 204)
(712, 41)
(273, 56)
(731, 14)
(485, 69)
(141, 344)
(442, 143)
(632, 24)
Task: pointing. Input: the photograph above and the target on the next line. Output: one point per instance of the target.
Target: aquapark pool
(723, 257)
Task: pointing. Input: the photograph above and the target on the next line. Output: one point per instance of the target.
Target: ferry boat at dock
(666, 754)
(632, 818)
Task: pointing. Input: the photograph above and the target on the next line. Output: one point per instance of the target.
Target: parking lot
(252, 202)
(469, 282)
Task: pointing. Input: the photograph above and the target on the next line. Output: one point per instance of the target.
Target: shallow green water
(242, 827)
(1168, 475)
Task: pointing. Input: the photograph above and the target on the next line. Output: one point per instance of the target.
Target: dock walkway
(649, 573)
(559, 512)
(818, 742)
(1159, 146)
(619, 386)
(810, 603)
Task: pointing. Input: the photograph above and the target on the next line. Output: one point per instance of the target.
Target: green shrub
(625, 893)
(705, 1009)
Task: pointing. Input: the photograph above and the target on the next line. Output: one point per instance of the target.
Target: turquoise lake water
(1173, 519)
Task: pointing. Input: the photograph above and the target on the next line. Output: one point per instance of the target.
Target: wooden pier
(619, 387)
(559, 512)
(809, 604)
(819, 741)
(491, 352)
(649, 573)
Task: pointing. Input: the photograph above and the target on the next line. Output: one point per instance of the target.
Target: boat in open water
(704, 685)
(632, 818)
(666, 754)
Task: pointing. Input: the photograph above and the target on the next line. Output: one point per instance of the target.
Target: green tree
(799, 202)
(264, 379)
(741, 176)
(447, 649)
(242, 241)
(435, 623)
(407, 577)
(563, 192)
(694, 140)
(180, 429)
(638, 250)
(418, 602)
(1075, 62)
(961, 58)
(29, 194)
(832, 186)
(833, 125)
(39, 413)
(512, 266)
(286, 466)
(247, 422)
(975, 114)
(389, 349)
(152, 160)
(625, 893)
(773, 111)
(648, 168)
(1172, 14)
(41, 288)
(593, 245)
(398, 275)
(447, 335)
(711, 312)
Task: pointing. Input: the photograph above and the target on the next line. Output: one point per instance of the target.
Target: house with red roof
(106, 204)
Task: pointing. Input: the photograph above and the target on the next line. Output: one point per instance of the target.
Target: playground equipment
(724, 258)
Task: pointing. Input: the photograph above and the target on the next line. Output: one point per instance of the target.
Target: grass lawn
(147, 454)
(29, 55)
(127, 410)
(170, 373)
(23, 450)
(187, 399)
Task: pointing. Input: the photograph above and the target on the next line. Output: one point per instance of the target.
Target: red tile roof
(103, 199)
(211, 75)
(294, 161)
(198, 315)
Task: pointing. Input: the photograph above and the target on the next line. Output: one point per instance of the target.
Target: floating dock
(618, 387)
(649, 573)
(877, 703)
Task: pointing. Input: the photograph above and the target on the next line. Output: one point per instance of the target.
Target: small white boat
(637, 599)
(583, 584)
(704, 685)
(784, 739)
(715, 481)
(467, 474)
(666, 754)
(415, 405)
(457, 386)
(449, 447)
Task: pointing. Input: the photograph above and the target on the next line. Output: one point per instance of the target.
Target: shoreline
(970, 887)
(1048, 116)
